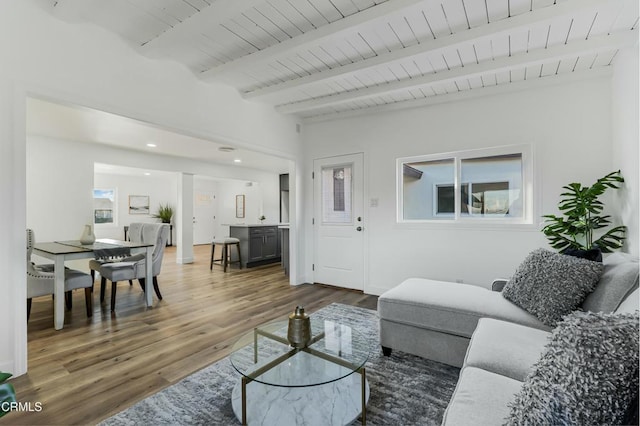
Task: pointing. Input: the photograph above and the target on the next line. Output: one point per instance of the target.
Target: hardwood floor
(97, 366)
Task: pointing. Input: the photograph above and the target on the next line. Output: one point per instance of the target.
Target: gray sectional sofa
(495, 342)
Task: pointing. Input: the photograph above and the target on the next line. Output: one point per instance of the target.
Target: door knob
(359, 228)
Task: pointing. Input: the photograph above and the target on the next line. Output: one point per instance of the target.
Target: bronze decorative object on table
(299, 332)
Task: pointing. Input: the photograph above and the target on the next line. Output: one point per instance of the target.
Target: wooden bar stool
(225, 256)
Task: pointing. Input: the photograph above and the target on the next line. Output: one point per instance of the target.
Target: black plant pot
(594, 254)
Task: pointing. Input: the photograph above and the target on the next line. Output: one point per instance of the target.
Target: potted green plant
(261, 218)
(581, 225)
(164, 213)
(7, 394)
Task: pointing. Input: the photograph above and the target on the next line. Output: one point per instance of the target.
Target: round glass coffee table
(282, 385)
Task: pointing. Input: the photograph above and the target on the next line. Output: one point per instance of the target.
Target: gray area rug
(405, 389)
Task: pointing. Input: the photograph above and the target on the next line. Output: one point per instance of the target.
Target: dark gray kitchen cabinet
(259, 244)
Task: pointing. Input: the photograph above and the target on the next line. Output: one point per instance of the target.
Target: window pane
(445, 202)
(103, 205)
(492, 186)
(427, 190)
(103, 216)
(336, 195)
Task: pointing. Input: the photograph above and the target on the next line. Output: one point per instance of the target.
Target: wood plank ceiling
(323, 59)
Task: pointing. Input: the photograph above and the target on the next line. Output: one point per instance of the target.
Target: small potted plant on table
(164, 213)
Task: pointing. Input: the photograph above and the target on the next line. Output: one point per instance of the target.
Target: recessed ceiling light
(147, 174)
(237, 160)
(226, 149)
(151, 145)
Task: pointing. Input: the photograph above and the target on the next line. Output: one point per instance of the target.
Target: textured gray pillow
(587, 375)
(550, 285)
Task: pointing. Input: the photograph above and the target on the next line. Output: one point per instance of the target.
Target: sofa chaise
(494, 341)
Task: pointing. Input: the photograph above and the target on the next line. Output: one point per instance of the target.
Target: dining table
(63, 251)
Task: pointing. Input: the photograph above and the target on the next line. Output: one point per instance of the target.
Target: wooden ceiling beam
(520, 60)
(321, 34)
(466, 94)
(488, 30)
(71, 10)
(216, 13)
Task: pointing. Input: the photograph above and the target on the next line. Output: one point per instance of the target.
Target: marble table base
(336, 403)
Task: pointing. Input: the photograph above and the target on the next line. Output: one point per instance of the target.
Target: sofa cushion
(505, 348)
(587, 375)
(480, 398)
(448, 307)
(550, 285)
(630, 304)
(619, 278)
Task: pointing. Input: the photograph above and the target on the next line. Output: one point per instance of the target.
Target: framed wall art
(138, 204)
(240, 206)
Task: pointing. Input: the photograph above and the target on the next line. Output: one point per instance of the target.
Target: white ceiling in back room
(113, 169)
(78, 124)
(322, 59)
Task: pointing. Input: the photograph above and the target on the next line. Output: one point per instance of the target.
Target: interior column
(184, 219)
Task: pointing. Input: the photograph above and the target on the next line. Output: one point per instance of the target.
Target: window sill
(474, 225)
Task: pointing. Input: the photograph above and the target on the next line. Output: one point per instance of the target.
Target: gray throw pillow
(550, 285)
(587, 375)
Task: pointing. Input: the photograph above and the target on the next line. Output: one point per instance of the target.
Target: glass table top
(264, 354)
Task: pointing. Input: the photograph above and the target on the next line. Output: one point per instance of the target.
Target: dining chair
(134, 235)
(41, 283)
(155, 233)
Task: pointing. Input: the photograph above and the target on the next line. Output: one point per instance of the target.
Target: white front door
(339, 223)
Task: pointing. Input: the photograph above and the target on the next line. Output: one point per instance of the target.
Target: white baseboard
(7, 366)
(376, 291)
(185, 260)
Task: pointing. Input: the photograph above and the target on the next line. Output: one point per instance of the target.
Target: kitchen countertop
(253, 225)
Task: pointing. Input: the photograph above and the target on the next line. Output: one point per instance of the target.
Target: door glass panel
(337, 194)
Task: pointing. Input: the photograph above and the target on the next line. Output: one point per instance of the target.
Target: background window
(104, 206)
(428, 189)
(464, 185)
(494, 186)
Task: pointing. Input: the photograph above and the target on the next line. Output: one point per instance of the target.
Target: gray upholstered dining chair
(135, 267)
(41, 282)
(135, 236)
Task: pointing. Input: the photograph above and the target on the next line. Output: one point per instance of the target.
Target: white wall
(59, 189)
(160, 190)
(625, 115)
(83, 64)
(568, 126)
(261, 198)
(60, 179)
